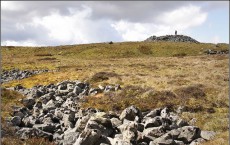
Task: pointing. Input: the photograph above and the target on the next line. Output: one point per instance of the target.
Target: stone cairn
(53, 112)
(171, 38)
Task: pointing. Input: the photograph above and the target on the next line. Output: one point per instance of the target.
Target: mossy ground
(152, 74)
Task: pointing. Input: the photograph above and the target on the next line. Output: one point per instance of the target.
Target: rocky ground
(54, 112)
(16, 74)
(173, 38)
(151, 74)
(212, 52)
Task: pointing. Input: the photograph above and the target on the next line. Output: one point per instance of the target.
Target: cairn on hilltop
(171, 38)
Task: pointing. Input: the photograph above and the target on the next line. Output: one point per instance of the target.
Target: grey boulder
(208, 135)
(197, 141)
(102, 124)
(25, 133)
(88, 137)
(130, 113)
(153, 122)
(70, 138)
(28, 102)
(45, 127)
(16, 120)
(189, 133)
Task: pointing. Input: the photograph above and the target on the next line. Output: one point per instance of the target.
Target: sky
(52, 23)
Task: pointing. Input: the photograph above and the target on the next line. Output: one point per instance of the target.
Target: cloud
(138, 31)
(74, 22)
(58, 29)
(76, 27)
(138, 11)
(9, 6)
(180, 19)
(20, 43)
(184, 17)
(65, 28)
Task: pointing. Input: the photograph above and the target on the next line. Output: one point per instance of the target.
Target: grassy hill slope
(152, 74)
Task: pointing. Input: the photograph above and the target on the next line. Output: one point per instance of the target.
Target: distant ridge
(172, 38)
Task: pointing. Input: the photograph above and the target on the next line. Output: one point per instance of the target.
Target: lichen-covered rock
(154, 113)
(130, 113)
(208, 135)
(45, 127)
(197, 141)
(81, 123)
(154, 132)
(153, 122)
(25, 133)
(88, 137)
(102, 124)
(70, 138)
(189, 133)
(163, 140)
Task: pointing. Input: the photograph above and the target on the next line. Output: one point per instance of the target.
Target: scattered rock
(55, 113)
(16, 74)
(212, 52)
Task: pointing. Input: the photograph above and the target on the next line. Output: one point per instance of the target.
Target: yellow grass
(154, 68)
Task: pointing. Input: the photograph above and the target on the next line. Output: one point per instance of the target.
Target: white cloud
(63, 28)
(181, 19)
(20, 26)
(20, 43)
(138, 31)
(184, 17)
(74, 28)
(10, 6)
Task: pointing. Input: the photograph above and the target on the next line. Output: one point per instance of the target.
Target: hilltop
(172, 38)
